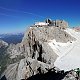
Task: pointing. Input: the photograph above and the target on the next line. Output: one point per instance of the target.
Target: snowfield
(69, 53)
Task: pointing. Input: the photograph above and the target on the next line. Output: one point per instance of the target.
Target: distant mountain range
(12, 38)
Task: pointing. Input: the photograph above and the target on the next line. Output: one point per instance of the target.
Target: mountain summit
(47, 49)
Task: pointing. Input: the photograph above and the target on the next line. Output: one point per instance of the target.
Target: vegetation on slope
(4, 59)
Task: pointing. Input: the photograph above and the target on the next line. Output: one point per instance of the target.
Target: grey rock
(11, 71)
(3, 43)
(39, 56)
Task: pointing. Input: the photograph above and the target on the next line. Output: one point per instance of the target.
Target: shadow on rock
(50, 75)
(3, 78)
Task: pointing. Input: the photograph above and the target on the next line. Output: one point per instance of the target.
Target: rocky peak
(39, 56)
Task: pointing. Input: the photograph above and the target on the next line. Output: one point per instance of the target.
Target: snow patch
(69, 53)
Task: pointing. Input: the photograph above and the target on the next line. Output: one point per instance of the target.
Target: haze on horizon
(17, 15)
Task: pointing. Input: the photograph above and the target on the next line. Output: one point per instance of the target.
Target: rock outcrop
(3, 44)
(39, 57)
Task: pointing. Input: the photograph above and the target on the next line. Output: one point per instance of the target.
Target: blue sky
(17, 15)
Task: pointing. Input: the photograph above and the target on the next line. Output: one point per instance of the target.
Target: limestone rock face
(39, 56)
(35, 42)
(15, 50)
(11, 72)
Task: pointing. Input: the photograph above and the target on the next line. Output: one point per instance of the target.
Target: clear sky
(16, 15)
